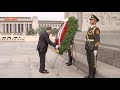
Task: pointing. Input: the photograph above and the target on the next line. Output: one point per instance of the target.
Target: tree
(31, 32)
(40, 29)
(54, 31)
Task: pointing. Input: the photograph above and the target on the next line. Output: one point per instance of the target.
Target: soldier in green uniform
(91, 45)
(70, 55)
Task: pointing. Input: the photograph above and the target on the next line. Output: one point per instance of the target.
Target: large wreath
(69, 35)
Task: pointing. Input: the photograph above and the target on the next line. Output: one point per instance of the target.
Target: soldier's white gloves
(56, 47)
(95, 52)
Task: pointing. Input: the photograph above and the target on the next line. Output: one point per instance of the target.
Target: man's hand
(56, 47)
(95, 52)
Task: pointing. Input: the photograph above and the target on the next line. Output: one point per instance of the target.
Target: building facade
(53, 24)
(20, 25)
(109, 21)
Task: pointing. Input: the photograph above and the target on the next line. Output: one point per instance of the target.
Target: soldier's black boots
(91, 74)
(87, 76)
(69, 64)
(94, 71)
(70, 61)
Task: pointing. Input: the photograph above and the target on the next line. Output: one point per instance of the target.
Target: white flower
(66, 20)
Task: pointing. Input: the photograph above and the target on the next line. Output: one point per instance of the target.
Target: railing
(12, 39)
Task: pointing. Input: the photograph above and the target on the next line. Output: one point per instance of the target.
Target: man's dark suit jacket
(43, 42)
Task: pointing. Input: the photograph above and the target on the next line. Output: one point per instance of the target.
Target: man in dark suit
(42, 48)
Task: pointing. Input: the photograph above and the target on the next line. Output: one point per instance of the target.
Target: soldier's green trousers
(91, 62)
(70, 55)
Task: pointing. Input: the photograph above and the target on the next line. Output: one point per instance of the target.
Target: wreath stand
(60, 65)
(73, 47)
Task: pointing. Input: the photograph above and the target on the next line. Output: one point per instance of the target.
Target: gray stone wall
(109, 21)
(108, 53)
(105, 54)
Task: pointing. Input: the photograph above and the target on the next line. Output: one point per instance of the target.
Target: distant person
(43, 46)
(91, 46)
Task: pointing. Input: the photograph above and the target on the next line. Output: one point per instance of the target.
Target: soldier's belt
(90, 40)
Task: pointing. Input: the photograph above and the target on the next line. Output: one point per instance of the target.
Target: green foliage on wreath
(72, 29)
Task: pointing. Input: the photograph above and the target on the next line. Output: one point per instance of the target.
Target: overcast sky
(40, 15)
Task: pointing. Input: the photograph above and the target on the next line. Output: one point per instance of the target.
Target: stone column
(16, 27)
(5, 27)
(28, 26)
(20, 28)
(8, 28)
(12, 27)
(1, 27)
(35, 24)
(52, 25)
(24, 28)
(79, 16)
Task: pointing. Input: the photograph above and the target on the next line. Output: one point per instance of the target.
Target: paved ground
(21, 60)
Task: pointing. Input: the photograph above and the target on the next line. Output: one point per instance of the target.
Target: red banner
(10, 19)
(62, 33)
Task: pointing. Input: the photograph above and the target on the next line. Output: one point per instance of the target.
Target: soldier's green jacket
(93, 33)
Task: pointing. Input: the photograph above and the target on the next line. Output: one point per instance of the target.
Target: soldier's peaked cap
(94, 17)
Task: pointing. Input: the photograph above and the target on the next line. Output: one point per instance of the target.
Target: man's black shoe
(40, 70)
(44, 71)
